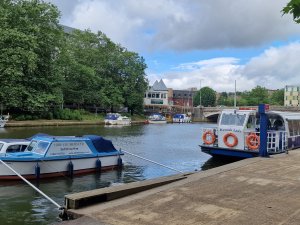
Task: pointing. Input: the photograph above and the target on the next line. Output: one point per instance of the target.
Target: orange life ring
(253, 141)
(206, 139)
(235, 139)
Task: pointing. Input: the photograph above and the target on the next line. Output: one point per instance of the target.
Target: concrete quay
(251, 191)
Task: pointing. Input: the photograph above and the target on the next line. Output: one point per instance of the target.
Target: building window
(174, 95)
(179, 95)
(153, 95)
(157, 95)
(149, 95)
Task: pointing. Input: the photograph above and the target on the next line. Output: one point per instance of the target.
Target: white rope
(31, 185)
(152, 161)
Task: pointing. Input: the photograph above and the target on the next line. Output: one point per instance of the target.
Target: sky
(193, 43)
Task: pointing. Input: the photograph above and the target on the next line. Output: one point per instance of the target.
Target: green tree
(257, 95)
(208, 97)
(277, 98)
(293, 7)
(29, 42)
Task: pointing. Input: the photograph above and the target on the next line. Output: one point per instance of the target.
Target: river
(175, 145)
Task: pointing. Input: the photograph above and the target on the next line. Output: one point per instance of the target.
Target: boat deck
(251, 191)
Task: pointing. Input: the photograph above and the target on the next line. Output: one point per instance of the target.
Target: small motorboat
(52, 156)
(3, 120)
(116, 119)
(156, 118)
(181, 118)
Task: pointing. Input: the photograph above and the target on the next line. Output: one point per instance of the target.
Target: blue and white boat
(238, 133)
(116, 119)
(52, 156)
(181, 118)
(156, 118)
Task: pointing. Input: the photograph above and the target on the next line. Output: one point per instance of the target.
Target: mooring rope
(152, 161)
(34, 187)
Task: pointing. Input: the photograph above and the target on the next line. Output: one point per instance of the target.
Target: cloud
(273, 69)
(182, 25)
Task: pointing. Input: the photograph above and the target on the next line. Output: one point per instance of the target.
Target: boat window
(13, 148)
(1, 145)
(41, 147)
(251, 121)
(294, 127)
(31, 146)
(233, 119)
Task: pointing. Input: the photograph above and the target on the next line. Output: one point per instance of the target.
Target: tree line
(253, 97)
(42, 67)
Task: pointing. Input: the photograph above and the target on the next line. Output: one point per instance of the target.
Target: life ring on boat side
(252, 141)
(235, 140)
(206, 139)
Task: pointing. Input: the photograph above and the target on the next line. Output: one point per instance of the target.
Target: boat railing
(277, 141)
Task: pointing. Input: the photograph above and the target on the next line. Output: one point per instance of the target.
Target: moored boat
(3, 120)
(181, 118)
(116, 119)
(156, 118)
(238, 133)
(51, 156)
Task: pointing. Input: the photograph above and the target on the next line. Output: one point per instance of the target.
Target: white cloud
(182, 25)
(274, 68)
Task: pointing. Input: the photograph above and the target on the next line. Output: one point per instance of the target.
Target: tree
(293, 7)
(208, 97)
(277, 98)
(29, 42)
(257, 95)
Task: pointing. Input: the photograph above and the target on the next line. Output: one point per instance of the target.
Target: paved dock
(251, 191)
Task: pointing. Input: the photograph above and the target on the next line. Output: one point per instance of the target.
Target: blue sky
(185, 41)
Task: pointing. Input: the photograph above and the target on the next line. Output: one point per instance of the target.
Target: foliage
(277, 98)
(293, 7)
(29, 43)
(256, 96)
(41, 67)
(208, 97)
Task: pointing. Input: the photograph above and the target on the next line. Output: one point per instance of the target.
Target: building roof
(159, 86)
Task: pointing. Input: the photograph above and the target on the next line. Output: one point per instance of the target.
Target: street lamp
(200, 93)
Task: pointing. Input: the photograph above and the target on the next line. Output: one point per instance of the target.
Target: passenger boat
(116, 119)
(238, 133)
(3, 120)
(181, 118)
(156, 118)
(52, 156)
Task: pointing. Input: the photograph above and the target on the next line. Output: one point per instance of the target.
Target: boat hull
(232, 153)
(157, 121)
(55, 168)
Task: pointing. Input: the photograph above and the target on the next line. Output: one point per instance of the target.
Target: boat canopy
(178, 116)
(101, 144)
(112, 116)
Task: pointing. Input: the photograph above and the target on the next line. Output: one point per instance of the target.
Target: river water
(174, 145)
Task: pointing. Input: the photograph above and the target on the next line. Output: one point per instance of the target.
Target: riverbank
(40, 123)
(251, 191)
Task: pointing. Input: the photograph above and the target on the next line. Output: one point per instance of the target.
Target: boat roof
(11, 140)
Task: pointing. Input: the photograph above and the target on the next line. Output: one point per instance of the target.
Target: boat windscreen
(1, 145)
(233, 119)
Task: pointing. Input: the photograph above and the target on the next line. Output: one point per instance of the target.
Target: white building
(292, 95)
(157, 94)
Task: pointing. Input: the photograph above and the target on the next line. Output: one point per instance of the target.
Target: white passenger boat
(51, 156)
(181, 118)
(116, 119)
(238, 133)
(3, 120)
(156, 118)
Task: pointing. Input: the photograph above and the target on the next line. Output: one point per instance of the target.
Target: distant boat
(116, 119)
(156, 118)
(181, 118)
(3, 120)
(52, 156)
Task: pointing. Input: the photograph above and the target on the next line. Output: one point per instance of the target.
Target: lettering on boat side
(68, 148)
(231, 130)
